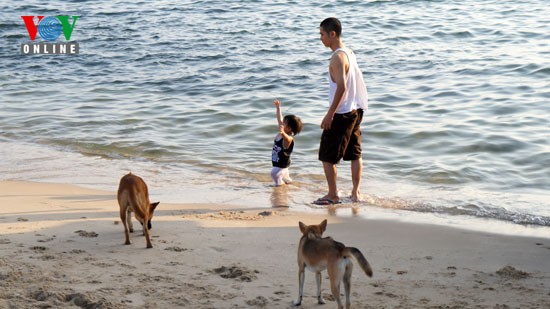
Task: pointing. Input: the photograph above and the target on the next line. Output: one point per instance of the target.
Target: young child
(289, 126)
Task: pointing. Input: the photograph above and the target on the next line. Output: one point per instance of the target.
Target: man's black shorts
(343, 140)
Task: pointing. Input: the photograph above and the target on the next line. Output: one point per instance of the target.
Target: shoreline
(467, 207)
(63, 245)
(269, 197)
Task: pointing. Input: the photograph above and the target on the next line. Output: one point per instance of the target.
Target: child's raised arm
(279, 114)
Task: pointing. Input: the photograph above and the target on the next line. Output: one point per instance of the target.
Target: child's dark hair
(294, 122)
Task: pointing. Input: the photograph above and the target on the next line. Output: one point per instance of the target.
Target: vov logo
(50, 29)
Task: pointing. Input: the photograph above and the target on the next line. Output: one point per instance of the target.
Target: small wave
(428, 135)
(474, 71)
(391, 98)
(306, 63)
(423, 88)
(115, 150)
(520, 68)
(457, 34)
(408, 38)
(542, 71)
(537, 159)
(493, 144)
(216, 11)
(447, 176)
(468, 209)
(16, 36)
(9, 26)
(120, 13)
(444, 94)
(438, 111)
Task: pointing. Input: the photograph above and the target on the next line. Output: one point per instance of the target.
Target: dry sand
(61, 246)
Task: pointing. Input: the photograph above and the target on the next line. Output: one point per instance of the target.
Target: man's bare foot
(356, 198)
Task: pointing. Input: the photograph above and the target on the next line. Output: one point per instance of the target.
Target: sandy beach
(62, 247)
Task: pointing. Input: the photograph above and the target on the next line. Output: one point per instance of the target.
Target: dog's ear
(154, 205)
(302, 227)
(323, 225)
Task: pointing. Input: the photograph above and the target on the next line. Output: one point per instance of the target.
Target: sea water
(180, 92)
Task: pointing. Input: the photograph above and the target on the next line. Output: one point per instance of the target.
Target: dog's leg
(301, 279)
(146, 232)
(336, 274)
(320, 299)
(347, 282)
(123, 218)
(129, 218)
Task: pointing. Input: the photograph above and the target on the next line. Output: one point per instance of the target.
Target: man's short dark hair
(332, 24)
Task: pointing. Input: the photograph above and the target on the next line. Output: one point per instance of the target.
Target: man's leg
(354, 154)
(356, 172)
(330, 174)
(334, 143)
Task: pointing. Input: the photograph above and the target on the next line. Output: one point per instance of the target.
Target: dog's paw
(296, 303)
(321, 301)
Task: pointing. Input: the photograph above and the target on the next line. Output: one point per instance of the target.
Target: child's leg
(286, 176)
(277, 175)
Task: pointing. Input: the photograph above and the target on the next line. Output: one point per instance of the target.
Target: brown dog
(317, 254)
(133, 196)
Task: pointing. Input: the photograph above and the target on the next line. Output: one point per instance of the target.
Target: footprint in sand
(236, 272)
(85, 301)
(509, 272)
(46, 240)
(176, 249)
(86, 234)
(41, 249)
(452, 270)
(38, 248)
(77, 251)
(259, 301)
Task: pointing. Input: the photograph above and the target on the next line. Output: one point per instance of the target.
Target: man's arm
(337, 69)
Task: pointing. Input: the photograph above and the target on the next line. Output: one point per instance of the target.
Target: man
(341, 138)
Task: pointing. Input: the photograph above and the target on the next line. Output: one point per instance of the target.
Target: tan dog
(133, 196)
(317, 254)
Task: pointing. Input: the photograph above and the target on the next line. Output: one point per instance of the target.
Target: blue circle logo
(50, 28)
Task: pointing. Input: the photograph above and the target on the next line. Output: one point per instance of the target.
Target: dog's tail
(360, 259)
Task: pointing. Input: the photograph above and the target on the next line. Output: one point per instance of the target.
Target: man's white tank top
(356, 96)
